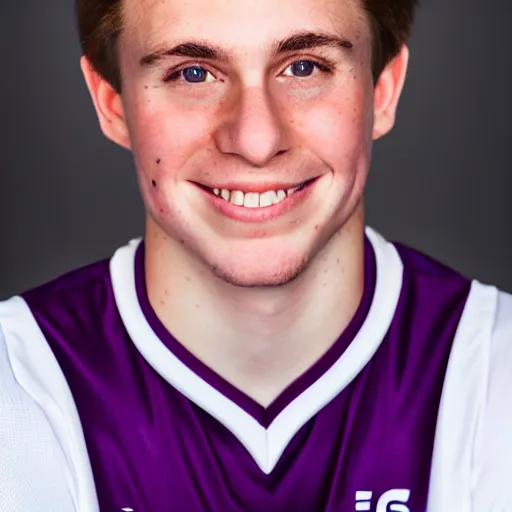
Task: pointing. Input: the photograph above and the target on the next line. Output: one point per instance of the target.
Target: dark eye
(301, 68)
(195, 74)
(192, 75)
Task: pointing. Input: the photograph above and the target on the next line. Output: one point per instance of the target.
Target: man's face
(251, 154)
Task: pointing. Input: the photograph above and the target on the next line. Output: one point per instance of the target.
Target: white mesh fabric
(32, 465)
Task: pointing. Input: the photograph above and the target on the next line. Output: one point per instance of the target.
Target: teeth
(281, 194)
(253, 199)
(268, 198)
(237, 198)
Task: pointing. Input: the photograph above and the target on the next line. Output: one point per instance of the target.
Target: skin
(257, 302)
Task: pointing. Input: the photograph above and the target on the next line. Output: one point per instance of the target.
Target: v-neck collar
(265, 433)
(264, 416)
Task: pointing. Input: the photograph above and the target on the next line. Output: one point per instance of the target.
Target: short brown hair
(100, 22)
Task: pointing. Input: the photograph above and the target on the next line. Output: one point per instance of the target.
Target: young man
(259, 350)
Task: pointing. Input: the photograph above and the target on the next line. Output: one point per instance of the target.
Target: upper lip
(255, 187)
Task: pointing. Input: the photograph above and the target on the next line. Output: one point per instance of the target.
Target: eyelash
(176, 74)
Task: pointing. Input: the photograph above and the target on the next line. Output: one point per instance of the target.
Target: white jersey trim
(491, 483)
(265, 445)
(472, 463)
(37, 371)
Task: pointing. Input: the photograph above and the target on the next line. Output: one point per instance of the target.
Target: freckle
(338, 261)
(153, 182)
(198, 306)
(182, 241)
(145, 87)
(187, 278)
(161, 210)
(162, 303)
(316, 227)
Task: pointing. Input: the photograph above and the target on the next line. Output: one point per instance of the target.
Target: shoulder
(79, 284)
(421, 273)
(432, 295)
(72, 306)
(66, 307)
(425, 266)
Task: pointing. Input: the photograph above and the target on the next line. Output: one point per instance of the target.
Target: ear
(387, 93)
(108, 105)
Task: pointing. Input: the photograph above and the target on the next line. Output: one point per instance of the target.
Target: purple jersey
(164, 432)
(101, 409)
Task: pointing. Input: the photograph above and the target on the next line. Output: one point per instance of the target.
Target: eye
(304, 68)
(191, 75)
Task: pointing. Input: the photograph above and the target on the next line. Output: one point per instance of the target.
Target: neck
(259, 340)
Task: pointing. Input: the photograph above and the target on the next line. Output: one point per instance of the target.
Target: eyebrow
(199, 50)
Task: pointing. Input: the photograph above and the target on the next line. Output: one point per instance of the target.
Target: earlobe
(387, 93)
(108, 105)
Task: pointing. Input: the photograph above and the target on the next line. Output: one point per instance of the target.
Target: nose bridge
(254, 128)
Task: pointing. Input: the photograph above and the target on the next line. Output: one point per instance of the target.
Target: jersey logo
(394, 500)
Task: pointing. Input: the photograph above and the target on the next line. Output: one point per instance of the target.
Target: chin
(260, 273)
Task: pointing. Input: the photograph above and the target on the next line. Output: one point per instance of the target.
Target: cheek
(171, 135)
(339, 128)
(164, 140)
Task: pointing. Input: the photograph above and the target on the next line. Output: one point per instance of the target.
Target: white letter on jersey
(363, 501)
(394, 496)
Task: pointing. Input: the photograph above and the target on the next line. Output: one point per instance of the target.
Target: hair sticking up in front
(100, 23)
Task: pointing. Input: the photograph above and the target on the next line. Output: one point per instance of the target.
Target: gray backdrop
(440, 182)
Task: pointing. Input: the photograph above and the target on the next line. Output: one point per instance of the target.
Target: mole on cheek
(153, 182)
(158, 161)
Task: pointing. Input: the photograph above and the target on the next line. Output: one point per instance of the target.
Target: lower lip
(261, 214)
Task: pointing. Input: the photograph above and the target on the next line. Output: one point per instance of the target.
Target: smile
(257, 203)
(257, 199)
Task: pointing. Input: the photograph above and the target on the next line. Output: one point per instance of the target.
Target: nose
(252, 128)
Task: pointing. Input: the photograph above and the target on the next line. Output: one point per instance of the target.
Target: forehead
(239, 23)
